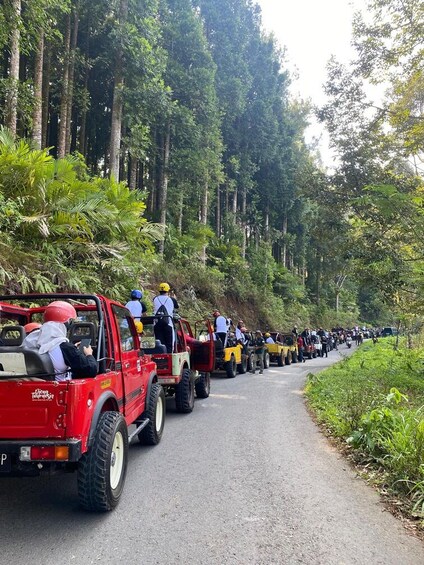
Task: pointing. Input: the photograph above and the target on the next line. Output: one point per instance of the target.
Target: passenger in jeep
(68, 361)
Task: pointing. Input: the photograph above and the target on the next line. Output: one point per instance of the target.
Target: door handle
(127, 365)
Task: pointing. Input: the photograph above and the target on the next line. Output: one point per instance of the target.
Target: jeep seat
(158, 348)
(18, 361)
(83, 330)
(12, 335)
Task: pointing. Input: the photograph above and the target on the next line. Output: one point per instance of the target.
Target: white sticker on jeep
(42, 395)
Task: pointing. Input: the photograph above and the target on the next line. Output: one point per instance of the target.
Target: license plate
(5, 463)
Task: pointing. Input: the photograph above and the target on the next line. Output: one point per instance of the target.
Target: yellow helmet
(164, 287)
(139, 327)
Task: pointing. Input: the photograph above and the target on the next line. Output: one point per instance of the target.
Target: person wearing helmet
(68, 361)
(32, 330)
(163, 308)
(135, 305)
(268, 338)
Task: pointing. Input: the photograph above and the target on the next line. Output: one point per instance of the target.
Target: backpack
(162, 315)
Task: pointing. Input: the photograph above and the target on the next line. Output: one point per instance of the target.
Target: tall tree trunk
(180, 213)
(46, 96)
(12, 93)
(204, 209)
(133, 173)
(284, 232)
(164, 183)
(118, 102)
(267, 223)
(37, 116)
(63, 114)
(218, 220)
(71, 74)
(243, 214)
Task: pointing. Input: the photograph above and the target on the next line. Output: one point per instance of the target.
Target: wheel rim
(116, 460)
(159, 414)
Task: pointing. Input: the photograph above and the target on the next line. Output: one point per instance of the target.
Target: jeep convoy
(86, 423)
(82, 424)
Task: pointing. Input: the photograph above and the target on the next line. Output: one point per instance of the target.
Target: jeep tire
(288, 358)
(231, 367)
(266, 360)
(203, 385)
(242, 367)
(155, 412)
(102, 469)
(280, 359)
(184, 393)
(294, 356)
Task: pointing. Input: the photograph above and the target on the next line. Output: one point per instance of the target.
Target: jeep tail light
(44, 453)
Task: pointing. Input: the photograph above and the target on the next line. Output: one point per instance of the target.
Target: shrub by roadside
(374, 400)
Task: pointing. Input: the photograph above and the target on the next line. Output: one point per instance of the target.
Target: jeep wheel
(242, 367)
(314, 354)
(155, 412)
(231, 367)
(288, 358)
(251, 362)
(280, 360)
(102, 469)
(294, 356)
(184, 393)
(203, 385)
(266, 360)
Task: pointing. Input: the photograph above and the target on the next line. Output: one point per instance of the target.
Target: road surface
(247, 478)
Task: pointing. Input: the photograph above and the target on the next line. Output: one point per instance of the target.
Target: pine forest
(145, 141)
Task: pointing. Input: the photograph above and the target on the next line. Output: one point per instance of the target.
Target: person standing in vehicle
(259, 345)
(135, 306)
(220, 327)
(163, 307)
(67, 359)
(268, 338)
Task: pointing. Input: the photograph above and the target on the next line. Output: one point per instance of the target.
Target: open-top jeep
(279, 352)
(79, 424)
(187, 369)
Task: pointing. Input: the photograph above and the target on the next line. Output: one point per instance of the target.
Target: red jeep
(187, 369)
(82, 424)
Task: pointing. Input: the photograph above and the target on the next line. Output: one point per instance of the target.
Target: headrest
(12, 335)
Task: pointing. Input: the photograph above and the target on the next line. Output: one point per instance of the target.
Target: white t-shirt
(269, 340)
(221, 325)
(135, 307)
(164, 300)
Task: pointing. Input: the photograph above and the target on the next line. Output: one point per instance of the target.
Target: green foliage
(374, 400)
(69, 231)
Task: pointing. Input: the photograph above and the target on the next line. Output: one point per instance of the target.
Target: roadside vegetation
(374, 401)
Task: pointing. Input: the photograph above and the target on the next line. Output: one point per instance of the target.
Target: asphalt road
(246, 478)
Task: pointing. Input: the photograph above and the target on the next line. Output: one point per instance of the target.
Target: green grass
(374, 400)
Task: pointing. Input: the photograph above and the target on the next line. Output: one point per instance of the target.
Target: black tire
(280, 360)
(203, 385)
(310, 355)
(155, 412)
(288, 358)
(100, 484)
(314, 354)
(184, 393)
(231, 367)
(266, 360)
(242, 367)
(251, 362)
(294, 356)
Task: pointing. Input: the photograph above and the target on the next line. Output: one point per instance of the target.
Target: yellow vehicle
(230, 359)
(284, 350)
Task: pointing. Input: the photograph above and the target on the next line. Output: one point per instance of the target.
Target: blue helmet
(136, 294)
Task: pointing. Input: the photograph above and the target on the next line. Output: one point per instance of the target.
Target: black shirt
(82, 366)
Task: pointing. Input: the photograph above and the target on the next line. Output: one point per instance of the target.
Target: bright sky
(312, 31)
